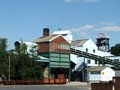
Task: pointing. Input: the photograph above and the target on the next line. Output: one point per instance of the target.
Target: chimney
(45, 32)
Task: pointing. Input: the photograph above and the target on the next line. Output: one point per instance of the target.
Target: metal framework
(102, 60)
(102, 42)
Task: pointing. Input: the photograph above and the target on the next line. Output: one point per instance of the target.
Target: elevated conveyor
(102, 60)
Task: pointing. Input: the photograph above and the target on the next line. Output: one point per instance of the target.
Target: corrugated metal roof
(45, 39)
(96, 68)
(42, 59)
(79, 42)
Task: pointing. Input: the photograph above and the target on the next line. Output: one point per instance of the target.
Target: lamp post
(9, 67)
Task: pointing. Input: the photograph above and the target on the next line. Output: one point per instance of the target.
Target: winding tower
(102, 42)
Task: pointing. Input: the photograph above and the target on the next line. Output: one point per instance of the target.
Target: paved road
(43, 87)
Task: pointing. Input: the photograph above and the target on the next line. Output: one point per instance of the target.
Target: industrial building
(82, 64)
(55, 52)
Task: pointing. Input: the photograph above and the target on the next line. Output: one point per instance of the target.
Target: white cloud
(83, 28)
(83, 31)
(87, 27)
(107, 23)
(80, 1)
(109, 28)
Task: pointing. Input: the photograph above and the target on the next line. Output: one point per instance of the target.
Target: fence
(33, 82)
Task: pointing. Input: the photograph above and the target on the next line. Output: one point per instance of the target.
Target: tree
(25, 66)
(115, 50)
(3, 58)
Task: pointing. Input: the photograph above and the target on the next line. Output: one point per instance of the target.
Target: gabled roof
(46, 39)
(79, 42)
(96, 68)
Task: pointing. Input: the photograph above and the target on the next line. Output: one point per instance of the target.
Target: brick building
(56, 50)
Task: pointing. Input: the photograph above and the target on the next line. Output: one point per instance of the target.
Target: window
(89, 61)
(64, 34)
(86, 49)
(95, 62)
(64, 46)
(93, 50)
(116, 60)
(95, 72)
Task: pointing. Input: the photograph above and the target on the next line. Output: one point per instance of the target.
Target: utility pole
(9, 67)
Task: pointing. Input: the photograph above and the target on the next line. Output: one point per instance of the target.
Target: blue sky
(25, 19)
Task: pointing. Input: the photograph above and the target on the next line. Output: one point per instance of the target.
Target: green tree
(24, 66)
(3, 58)
(115, 50)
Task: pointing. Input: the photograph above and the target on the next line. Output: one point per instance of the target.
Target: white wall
(30, 46)
(91, 46)
(107, 74)
(73, 58)
(77, 60)
(101, 53)
(94, 77)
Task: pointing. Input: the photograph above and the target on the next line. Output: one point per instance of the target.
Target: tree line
(22, 65)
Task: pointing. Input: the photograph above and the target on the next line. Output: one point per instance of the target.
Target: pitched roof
(96, 68)
(79, 42)
(46, 39)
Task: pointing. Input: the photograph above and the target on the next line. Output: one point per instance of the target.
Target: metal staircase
(102, 60)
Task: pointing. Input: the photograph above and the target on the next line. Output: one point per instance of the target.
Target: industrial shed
(100, 73)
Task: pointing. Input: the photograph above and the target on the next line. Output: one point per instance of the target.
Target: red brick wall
(101, 86)
(55, 45)
(59, 40)
(116, 81)
(43, 47)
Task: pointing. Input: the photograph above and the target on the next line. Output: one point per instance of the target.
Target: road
(43, 87)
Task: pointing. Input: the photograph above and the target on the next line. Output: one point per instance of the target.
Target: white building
(100, 73)
(86, 45)
(31, 47)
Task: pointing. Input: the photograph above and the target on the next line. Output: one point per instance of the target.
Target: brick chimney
(45, 32)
